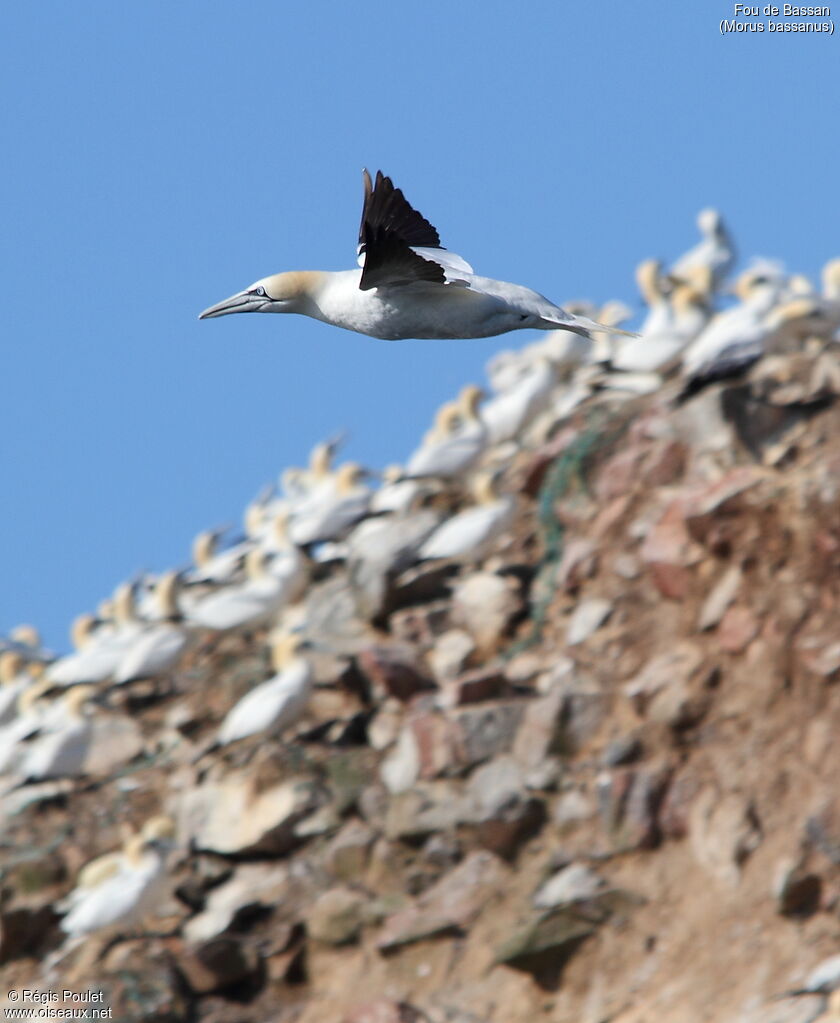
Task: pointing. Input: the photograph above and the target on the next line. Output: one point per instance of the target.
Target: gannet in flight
(409, 286)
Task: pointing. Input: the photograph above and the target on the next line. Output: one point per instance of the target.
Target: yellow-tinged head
(831, 279)
(649, 281)
(284, 648)
(11, 664)
(81, 630)
(160, 828)
(124, 603)
(469, 400)
(349, 476)
(166, 594)
(77, 698)
(255, 567)
(204, 547)
(485, 486)
(289, 292)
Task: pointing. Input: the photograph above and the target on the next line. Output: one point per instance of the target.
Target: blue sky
(160, 156)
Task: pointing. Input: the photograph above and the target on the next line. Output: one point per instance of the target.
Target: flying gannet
(409, 286)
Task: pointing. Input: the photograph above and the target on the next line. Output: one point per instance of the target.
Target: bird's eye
(259, 291)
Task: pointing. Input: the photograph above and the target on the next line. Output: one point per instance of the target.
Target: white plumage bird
(99, 645)
(409, 285)
(716, 250)
(510, 412)
(159, 644)
(276, 704)
(333, 507)
(472, 533)
(735, 338)
(456, 440)
(124, 889)
(62, 749)
(13, 681)
(242, 604)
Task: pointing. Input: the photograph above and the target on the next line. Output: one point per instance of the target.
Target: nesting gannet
(97, 870)
(26, 640)
(332, 508)
(276, 704)
(716, 250)
(396, 493)
(62, 749)
(99, 644)
(510, 412)
(158, 646)
(13, 681)
(246, 603)
(805, 313)
(735, 338)
(672, 324)
(408, 287)
(456, 440)
(299, 485)
(472, 532)
(125, 890)
(32, 713)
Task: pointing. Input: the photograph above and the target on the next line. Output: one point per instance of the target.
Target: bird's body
(510, 412)
(716, 251)
(472, 533)
(126, 886)
(455, 442)
(160, 643)
(736, 338)
(275, 704)
(409, 285)
(62, 749)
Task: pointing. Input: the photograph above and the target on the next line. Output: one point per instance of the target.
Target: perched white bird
(13, 681)
(332, 508)
(456, 440)
(805, 313)
(716, 251)
(276, 704)
(62, 749)
(674, 321)
(159, 644)
(26, 640)
(248, 603)
(396, 493)
(408, 287)
(736, 338)
(124, 889)
(99, 644)
(298, 485)
(32, 713)
(510, 412)
(472, 533)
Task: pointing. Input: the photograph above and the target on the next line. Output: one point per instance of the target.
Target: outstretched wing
(390, 232)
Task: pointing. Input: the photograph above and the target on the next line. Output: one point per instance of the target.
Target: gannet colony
(250, 755)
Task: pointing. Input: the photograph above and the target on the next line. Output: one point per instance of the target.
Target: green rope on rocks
(599, 434)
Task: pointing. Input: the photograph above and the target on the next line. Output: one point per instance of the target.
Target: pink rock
(737, 629)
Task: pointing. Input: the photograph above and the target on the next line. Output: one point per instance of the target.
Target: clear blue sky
(160, 156)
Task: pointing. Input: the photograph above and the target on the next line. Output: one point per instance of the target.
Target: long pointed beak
(241, 302)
